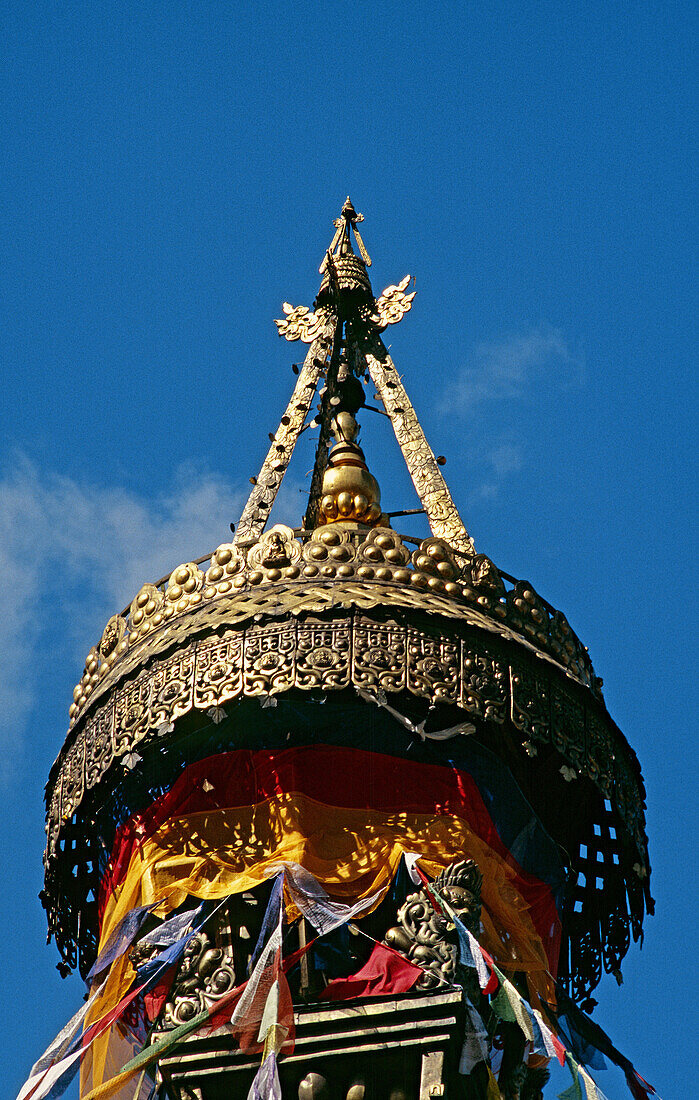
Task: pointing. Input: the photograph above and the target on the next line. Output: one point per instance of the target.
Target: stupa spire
(341, 243)
(344, 332)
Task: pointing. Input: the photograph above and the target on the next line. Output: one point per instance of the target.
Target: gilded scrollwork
(256, 512)
(219, 670)
(426, 937)
(53, 821)
(298, 323)
(433, 666)
(269, 658)
(73, 780)
(484, 684)
(323, 654)
(173, 683)
(348, 648)
(379, 655)
(98, 745)
(332, 552)
(530, 703)
(568, 727)
(332, 651)
(205, 974)
(392, 304)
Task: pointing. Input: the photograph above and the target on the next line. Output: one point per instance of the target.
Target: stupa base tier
(395, 1047)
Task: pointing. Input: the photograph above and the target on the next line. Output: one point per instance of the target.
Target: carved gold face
(460, 899)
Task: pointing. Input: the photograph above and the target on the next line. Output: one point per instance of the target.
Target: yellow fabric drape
(353, 853)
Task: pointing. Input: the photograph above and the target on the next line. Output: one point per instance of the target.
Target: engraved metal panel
(323, 654)
(531, 710)
(484, 684)
(53, 819)
(379, 656)
(73, 778)
(132, 712)
(219, 670)
(173, 683)
(433, 666)
(600, 755)
(98, 745)
(269, 658)
(568, 727)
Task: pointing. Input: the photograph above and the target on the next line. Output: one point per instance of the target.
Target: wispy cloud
(71, 554)
(508, 373)
(508, 369)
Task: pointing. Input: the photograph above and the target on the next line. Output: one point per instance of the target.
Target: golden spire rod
(341, 243)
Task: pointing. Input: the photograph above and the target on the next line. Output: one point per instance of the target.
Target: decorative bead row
(334, 553)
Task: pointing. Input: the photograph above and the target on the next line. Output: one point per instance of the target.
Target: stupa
(362, 787)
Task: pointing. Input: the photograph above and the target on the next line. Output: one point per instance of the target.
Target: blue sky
(171, 172)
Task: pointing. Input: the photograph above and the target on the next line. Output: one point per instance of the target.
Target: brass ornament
(276, 550)
(345, 603)
(349, 491)
(427, 938)
(319, 642)
(300, 324)
(111, 637)
(145, 612)
(227, 563)
(460, 662)
(383, 546)
(434, 557)
(343, 551)
(183, 588)
(205, 974)
(392, 304)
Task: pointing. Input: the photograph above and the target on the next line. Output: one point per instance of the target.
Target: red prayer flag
(155, 998)
(384, 972)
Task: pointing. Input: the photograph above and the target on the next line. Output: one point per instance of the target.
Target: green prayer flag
(574, 1092)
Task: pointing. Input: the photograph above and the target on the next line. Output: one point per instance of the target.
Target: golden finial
(341, 244)
(349, 493)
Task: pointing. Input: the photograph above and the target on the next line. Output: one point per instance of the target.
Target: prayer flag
(475, 1045)
(120, 940)
(314, 903)
(62, 1045)
(385, 972)
(265, 1085)
(173, 929)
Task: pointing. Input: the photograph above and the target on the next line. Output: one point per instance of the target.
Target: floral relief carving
(379, 655)
(484, 685)
(269, 659)
(433, 666)
(323, 655)
(219, 670)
